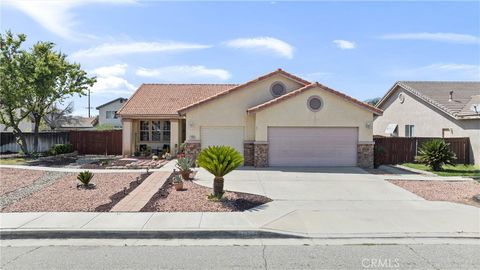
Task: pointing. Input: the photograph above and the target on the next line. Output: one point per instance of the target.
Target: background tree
(52, 79)
(58, 115)
(373, 101)
(14, 86)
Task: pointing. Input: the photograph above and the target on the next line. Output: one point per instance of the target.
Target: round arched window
(277, 89)
(315, 103)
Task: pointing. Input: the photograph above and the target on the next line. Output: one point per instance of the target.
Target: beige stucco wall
(102, 114)
(336, 112)
(231, 110)
(428, 121)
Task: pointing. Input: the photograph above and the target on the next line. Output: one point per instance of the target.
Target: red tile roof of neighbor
(167, 99)
(269, 103)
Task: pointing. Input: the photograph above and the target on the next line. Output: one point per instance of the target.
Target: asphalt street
(357, 256)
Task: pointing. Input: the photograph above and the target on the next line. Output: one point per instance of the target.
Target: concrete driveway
(343, 201)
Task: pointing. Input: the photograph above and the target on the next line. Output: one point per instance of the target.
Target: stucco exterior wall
(231, 110)
(336, 112)
(102, 114)
(428, 121)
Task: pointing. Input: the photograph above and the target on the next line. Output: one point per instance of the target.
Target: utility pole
(89, 103)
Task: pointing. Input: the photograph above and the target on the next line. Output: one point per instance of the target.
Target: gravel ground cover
(63, 195)
(461, 192)
(194, 199)
(13, 179)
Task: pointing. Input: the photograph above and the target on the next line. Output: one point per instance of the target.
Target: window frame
(409, 131)
(162, 127)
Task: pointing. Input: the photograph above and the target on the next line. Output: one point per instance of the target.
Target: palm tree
(219, 161)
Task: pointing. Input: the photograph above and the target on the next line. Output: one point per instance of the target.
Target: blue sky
(359, 48)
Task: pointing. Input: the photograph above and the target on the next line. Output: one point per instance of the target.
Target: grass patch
(13, 161)
(449, 170)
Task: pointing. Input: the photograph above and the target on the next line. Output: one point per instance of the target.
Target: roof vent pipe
(450, 97)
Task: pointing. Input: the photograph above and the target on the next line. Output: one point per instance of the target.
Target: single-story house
(274, 120)
(432, 109)
(107, 113)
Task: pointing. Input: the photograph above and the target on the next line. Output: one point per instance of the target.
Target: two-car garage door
(312, 146)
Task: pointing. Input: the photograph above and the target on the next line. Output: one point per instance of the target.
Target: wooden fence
(400, 150)
(104, 142)
(8, 142)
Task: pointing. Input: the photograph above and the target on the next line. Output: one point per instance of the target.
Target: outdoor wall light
(368, 125)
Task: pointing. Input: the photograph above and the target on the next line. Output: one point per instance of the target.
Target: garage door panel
(296, 146)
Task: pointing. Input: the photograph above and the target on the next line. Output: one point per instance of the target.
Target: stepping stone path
(140, 196)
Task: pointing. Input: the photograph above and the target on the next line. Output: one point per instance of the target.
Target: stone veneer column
(260, 154)
(192, 149)
(365, 154)
(248, 153)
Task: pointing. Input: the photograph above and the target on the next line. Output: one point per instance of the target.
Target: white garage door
(231, 136)
(322, 146)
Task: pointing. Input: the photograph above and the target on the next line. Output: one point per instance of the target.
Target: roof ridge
(439, 81)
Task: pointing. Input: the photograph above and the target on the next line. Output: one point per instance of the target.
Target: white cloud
(445, 37)
(184, 73)
(439, 71)
(274, 45)
(344, 44)
(108, 49)
(110, 80)
(57, 16)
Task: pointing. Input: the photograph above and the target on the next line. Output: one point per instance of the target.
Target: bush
(85, 177)
(219, 161)
(435, 153)
(378, 155)
(58, 149)
(154, 157)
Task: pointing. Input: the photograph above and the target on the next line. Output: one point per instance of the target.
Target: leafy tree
(219, 161)
(14, 85)
(52, 79)
(373, 101)
(435, 153)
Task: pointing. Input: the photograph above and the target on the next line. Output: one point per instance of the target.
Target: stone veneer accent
(260, 155)
(192, 149)
(365, 155)
(248, 153)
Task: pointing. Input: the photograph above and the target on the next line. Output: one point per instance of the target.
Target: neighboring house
(26, 125)
(77, 123)
(275, 120)
(432, 109)
(107, 113)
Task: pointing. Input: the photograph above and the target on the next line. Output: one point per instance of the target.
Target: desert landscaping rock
(13, 179)
(461, 192)
(63, 195)
(193, 198)
(47, 179)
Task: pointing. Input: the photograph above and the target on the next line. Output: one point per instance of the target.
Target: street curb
(122, 234)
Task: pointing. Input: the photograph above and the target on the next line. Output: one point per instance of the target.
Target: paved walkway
(140, 196)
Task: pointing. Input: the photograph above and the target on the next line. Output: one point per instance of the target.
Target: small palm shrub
(85, 177)
(219, 161)
(435, 153)
(183, 165)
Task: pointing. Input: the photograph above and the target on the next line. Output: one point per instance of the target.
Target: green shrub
(58, 149)
(219, 161)
(85, 177)
(435, 153)
(183, 164)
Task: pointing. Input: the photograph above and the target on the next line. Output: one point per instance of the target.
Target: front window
(409, 131)
(155, 131)
(111, 115)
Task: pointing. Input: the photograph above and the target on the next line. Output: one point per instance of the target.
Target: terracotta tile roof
(437, 93)
(167, 99)
(364, 105)
(240, 86)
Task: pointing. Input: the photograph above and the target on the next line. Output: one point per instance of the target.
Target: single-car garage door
(231, 136)
(312, 146)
